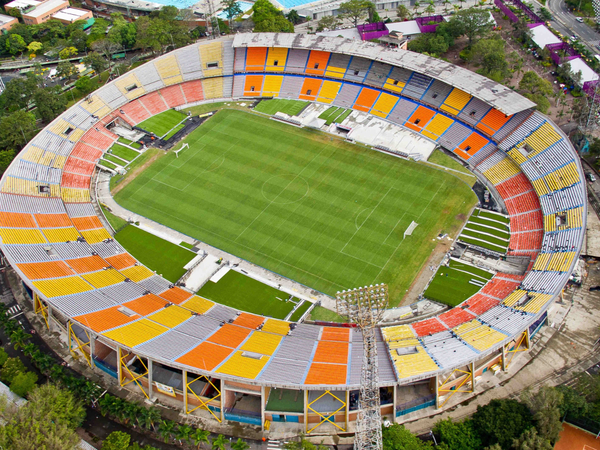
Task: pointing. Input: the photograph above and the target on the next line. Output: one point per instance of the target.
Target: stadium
(225, 364)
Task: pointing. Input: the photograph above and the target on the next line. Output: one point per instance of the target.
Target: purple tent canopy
(425, 23)
(370, 31)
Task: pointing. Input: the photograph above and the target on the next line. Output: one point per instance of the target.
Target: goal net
(186, 145)
(410, 229)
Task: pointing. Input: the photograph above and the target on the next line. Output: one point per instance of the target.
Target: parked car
(591, 177)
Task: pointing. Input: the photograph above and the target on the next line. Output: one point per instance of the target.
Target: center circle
(285, 188)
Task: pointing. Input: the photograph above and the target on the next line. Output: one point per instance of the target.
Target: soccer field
(328, 214)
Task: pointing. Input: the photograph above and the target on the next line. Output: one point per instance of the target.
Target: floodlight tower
(364, 306)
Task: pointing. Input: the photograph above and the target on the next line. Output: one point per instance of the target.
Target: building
(22, 5)
(70, 15)
(44, 11)
(7, 22)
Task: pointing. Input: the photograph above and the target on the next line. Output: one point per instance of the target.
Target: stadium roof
(494, 94)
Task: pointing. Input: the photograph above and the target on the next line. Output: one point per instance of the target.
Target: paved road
(565, 22)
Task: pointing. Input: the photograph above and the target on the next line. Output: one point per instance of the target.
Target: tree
(11, 368)
(184, 433)
(402, 12)
(232, 9)
(240, 444)
(531, 440)
(536, 89)
(574, 404)
(544, 405)
(6, 158)
(117, 440)
(355, 10)
(294, 17)
(397, 437)
(98, 30)
(18, 93)
(219, 442)
(19, 338)
(267, 18)
(457, 436)
(474, 23)
(429, 43)
(106, 48)
(199, 436)
(95, 61)
(545, 14)
(67, 52)
(328, 23)
(66, 69)
(166, 428)
(23, 383)
(15, 44)
(501, 421)
(49, 103)
(489, 53)
(58, 405)
(34, 47)
(85, 85)
(122, 32)
(78, 39)
(3, 354)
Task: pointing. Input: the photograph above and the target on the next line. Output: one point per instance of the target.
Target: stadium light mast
(364, 306)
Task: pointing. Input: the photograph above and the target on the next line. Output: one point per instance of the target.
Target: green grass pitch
(245, 293)
(326, 213)
(155, 253)
(451, 284)
(291, 107)
(162, 123)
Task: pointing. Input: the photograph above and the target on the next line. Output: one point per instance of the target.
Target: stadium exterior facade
(161, 339)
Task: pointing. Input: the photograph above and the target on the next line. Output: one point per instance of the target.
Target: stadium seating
(534, 169)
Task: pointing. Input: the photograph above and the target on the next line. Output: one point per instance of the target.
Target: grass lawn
(323, 212)
(168, 136)
(157, 254)
(484, 241)
(490, 215)
(285, 400)
(143, 159)
(162, 123)
(493, 231)
(291, 107)
(186, 245)
(107, 164)
(325, 315)
(300, 311)
(123, 152)
(451, 284)
(241, 292)
(440, 158)
(116, 222)
(113, 159)
(335, 114)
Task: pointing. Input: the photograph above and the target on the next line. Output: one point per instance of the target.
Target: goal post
(410, 229)
(186, 145)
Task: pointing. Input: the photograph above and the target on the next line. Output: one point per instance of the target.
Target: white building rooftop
(70, 14)
(46, 7)
(408, 28)
(542, 36)
(22, 4)
(579, 65)
(4, 19)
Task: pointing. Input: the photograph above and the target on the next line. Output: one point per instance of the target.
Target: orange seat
(176, 295)
(86, 223)
(52, 220)
(16, 220)
(193, 91)
(331, 352)
(310, 89)
(248, 320)
(335, 334)
(473, 143)
(105, 319)
(146, 304)
(366, 100)
(173, 96)
(419, 118)
(230, 335)
(52, 269)
(205, 356)
(87, 264)
(255, 59)
(317, 62)
(121, 261)
(253, 85)
(320, 373)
